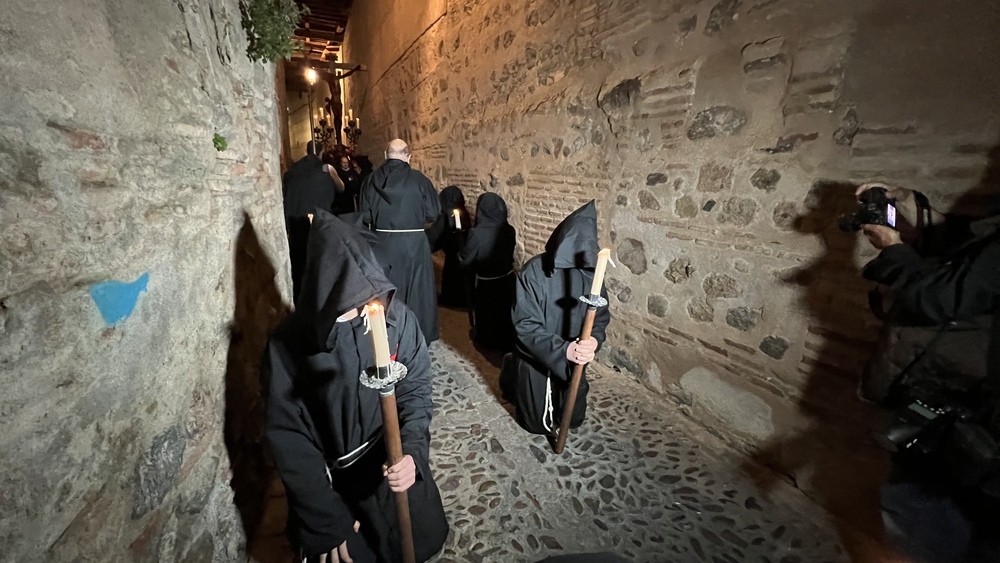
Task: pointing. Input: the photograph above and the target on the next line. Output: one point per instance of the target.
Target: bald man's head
(398, 150)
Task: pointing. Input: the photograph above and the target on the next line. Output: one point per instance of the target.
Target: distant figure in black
(445, 235)
(548, 316)
(306, 188)
(488, 255)
(347, 200)
(398, 202)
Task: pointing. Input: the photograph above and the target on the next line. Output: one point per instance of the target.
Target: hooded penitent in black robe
(306, 188)
(443, 235)
(318, 411)
(489, 255)
(548, 316)
(397, 201)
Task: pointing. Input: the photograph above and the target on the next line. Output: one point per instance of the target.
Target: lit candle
(310, 215)
(380, 336)
(602, 266)
(458, 219)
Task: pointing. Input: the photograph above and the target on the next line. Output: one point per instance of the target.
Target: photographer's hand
(881, 236)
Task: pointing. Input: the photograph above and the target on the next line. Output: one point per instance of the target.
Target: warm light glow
(458, 219)
(311, 76)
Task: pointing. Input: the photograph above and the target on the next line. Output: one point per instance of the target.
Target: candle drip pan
(384, 378)
(595, 303)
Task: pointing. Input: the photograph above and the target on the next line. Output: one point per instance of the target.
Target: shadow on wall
(833, 460)
(835, 453)
(259, 308)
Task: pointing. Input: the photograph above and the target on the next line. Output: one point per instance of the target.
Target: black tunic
(318, 411)
(548, 316)
(306, 188)
(488, 254)
(443, 236)
(397, 198)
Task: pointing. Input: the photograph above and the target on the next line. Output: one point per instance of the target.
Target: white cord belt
(399, 230)
(481, 278)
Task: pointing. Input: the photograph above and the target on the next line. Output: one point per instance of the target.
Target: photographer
(938, 364)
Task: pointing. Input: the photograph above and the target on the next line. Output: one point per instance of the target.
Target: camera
(876, 208)
(918, 426)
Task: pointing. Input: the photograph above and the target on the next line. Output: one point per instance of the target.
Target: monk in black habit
(325, 427)
(306, 187)
(445, 235)
(548, 316)
(398, 202)
(488, 254)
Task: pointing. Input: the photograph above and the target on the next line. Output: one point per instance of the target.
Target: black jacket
(317, 409)
(942, 326)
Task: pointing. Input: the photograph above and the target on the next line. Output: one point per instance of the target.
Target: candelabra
(323, 134)
(353, 132)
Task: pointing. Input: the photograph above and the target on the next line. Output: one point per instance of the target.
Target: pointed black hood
(341, 274)
(491, 209)
(573, 243)
(451, 198)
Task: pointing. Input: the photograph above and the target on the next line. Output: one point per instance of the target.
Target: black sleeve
(529, 324)
(365, 202)
(927, 293)
(413, 393)
(436, 232)
(432, 205)
(469, 251)
(319, 519)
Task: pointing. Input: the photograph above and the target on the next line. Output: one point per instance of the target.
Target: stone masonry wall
(137, 278)
(721, 138)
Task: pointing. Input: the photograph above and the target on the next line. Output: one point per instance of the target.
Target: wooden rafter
(321, 31)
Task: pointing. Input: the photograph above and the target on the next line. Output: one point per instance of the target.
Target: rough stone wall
(137, 278)
(720, 139)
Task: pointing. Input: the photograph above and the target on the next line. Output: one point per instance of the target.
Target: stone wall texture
(721, 139)
(138, 278)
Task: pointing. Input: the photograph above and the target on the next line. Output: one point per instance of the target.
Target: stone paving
(638, 479)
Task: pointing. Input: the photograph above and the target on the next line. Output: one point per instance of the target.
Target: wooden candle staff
(594, 302)
(384, 377)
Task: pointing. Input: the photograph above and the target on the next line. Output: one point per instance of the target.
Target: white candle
(458, 219)
(357, 123)
(602, 266)
(380, 336)
(350, 114)
(310, 215)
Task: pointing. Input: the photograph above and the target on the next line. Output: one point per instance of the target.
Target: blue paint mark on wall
(116, 300)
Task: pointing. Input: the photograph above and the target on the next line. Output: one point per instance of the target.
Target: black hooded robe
(397, 201)
(548, 316)
(442, 235)
(306, 188)
(318, 411)
(488, 254)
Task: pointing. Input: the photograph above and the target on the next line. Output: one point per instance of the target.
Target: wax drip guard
(598, 303)
(370, 378)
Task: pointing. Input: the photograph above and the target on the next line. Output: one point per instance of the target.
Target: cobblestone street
(637, 479)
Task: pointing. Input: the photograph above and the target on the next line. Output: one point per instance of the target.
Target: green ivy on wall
(269, 25)
(220, 142)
